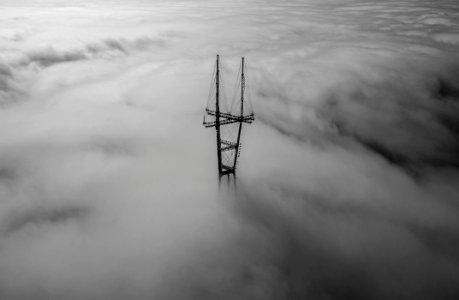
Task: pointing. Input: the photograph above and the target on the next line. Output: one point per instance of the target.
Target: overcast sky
(347, 180)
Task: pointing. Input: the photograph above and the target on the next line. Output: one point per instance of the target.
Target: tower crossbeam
(224, 121)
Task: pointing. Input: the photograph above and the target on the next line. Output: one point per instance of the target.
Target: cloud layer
(347, 185)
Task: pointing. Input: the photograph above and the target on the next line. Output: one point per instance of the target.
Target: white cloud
(348, 178)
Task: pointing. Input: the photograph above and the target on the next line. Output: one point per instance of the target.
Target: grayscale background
(348, 182)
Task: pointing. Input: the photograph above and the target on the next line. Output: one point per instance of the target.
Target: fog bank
(347, 182)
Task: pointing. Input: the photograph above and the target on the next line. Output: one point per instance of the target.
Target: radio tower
(227, 118)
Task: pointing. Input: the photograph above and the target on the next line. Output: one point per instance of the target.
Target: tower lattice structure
(228, 117)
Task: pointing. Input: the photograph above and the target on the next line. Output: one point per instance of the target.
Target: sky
(347, 180)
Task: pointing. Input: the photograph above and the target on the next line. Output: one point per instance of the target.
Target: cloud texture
(347, 186)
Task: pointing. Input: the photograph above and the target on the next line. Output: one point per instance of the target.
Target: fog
(347, 184)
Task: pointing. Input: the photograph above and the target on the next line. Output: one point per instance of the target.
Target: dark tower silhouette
(228, 118)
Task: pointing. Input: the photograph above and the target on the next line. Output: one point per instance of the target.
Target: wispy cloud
(347, 181)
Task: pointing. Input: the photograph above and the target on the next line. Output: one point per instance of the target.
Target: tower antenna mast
(227, 123)
(217, 115)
